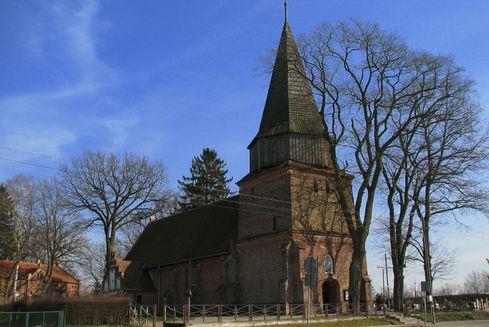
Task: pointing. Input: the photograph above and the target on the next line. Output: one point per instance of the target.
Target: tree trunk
(356, 274)
(9, 284)
(398, 271)
(49, 276)
(110, 250)
(427, 258)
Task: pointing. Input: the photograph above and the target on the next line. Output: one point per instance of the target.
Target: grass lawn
(347, 323)
(451, 316)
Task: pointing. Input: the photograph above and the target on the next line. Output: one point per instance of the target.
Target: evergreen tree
(207, 182)
(7, 225)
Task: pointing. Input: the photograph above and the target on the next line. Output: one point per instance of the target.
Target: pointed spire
(290, 106)
(291, 127)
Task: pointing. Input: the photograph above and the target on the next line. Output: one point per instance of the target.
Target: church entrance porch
(330, 295)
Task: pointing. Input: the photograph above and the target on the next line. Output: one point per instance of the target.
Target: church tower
(288, 210)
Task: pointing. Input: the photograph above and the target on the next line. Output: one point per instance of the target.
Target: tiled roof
(197, 233)
(25, 268)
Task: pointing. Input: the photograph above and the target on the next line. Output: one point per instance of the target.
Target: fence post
(278, 311)
(265, 312)
(250, 312)
(219, 313)
(235, 312)
(185, 316)
(26, 319)
(155, 313)
(164, 312)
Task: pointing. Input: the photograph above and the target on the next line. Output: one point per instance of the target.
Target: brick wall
(211, 281)
(262, 268)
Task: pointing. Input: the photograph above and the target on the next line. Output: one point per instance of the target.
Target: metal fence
(33, 318)
(147, 315)
(252, 312)
(143, 315)
(70, 318)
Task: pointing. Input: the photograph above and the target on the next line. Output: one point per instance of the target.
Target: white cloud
(37, 120)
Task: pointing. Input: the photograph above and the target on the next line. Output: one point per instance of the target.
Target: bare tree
(92, 265)
(366, 82)
(59, 234)
(131, 232)
(443, 261)
(113, 191)
(449, 289)
(454, 152)
(447, 100)
(401, 188)
(22, 193)
(477, 282)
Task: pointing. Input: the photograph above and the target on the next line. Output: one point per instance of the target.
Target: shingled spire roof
(291, 128)
(290, 106)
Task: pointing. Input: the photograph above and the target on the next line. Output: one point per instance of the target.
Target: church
(252, 248)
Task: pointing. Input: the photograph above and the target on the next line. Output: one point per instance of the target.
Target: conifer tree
(207, 182)
(7, 238)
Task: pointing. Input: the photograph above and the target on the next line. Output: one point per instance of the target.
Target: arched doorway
(331, 294)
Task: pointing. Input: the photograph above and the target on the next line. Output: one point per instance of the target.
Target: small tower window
(328, 265)
(316, 189)
(274, 223)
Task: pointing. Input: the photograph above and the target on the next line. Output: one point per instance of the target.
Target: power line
(247, 210)
(247, 203)
(246, 195)
(29, 152)
(20, 171)
(27, 163)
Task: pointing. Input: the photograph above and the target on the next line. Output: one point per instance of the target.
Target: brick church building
(251, 248)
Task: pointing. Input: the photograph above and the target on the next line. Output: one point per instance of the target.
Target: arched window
(328, 265)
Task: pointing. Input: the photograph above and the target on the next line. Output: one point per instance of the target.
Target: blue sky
(166, 79)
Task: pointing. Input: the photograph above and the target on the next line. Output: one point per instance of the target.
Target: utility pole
(383, 288)
(387, 279)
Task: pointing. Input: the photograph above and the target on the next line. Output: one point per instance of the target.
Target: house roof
(290, 105)
(201, 232)
(25, 268)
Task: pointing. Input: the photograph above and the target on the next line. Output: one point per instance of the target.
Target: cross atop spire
(285, 9)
